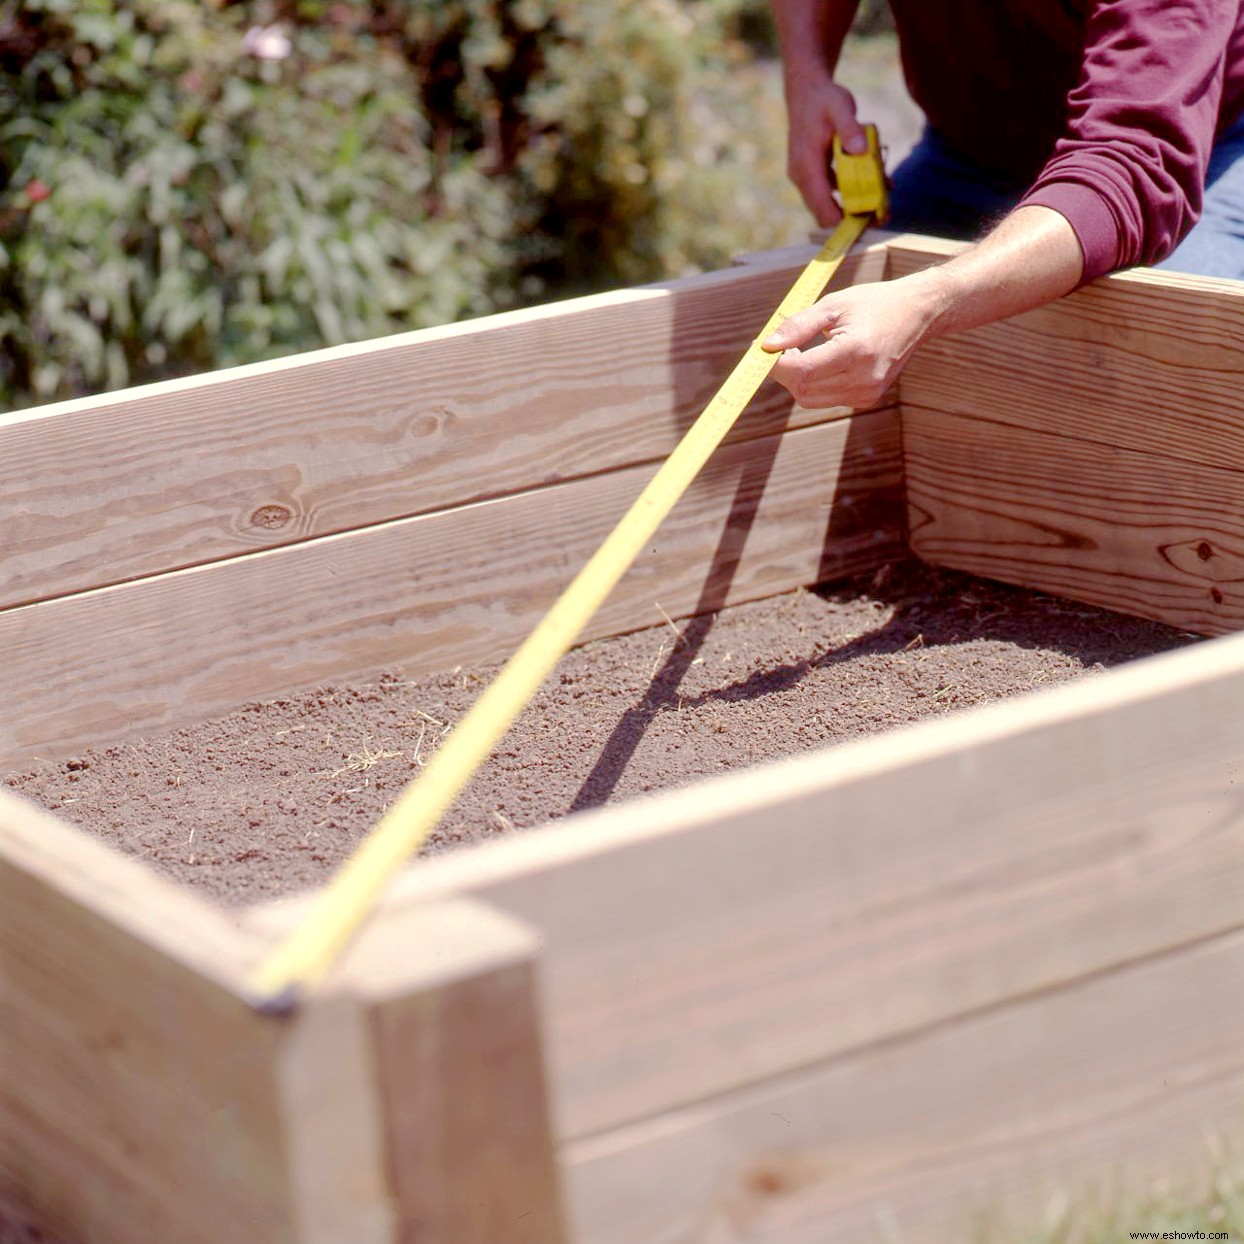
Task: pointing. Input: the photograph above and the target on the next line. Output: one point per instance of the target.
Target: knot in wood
(271, 517)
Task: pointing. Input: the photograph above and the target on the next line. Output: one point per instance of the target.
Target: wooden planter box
(883, 992)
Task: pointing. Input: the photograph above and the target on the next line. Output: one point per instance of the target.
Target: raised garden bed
(906, 981)
(268, 800)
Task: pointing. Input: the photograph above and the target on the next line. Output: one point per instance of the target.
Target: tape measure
(309, 951)
(861, 178)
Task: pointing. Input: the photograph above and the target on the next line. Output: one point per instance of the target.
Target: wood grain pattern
(1145, 361)
(110, 489)
(962, 1132)
(429, 593)
(1158, 537)
(335, 1146)
(450, 995)
(137, 1090)
(874, 268)
(769, 920)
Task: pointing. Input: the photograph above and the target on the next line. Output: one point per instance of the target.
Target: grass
(367, 757)
(1164, 1208)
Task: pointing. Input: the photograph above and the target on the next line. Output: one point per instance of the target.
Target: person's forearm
(811, 32)
(849, 348)
(1031, 258)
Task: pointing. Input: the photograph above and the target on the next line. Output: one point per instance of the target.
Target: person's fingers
(832, 374)
(819, 110)
(800, 328)
(808, 167)
(811, 386)
(842, 115)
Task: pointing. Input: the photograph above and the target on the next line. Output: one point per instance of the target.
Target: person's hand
(869, 332)
(818, 109)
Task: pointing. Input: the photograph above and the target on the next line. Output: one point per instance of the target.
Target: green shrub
(206, 208)
(173, 203)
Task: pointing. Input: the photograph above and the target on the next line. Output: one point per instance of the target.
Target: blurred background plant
(1206, 1209)
(191, 184)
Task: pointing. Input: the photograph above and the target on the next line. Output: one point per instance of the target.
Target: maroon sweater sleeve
(1129, 171)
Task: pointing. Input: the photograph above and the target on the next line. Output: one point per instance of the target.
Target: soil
(268, 799)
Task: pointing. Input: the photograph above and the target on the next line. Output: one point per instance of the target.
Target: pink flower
(37, 191)
(267, 43)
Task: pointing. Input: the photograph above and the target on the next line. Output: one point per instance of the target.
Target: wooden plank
(450, 989)
(969, 1130)
(876, 241)
(1158, 537)
(429, 593)
(715, 937)
(1147, 361)
(336, 1157)
(113, 488)
(138, 1093)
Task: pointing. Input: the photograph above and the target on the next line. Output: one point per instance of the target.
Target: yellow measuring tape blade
(310, 950)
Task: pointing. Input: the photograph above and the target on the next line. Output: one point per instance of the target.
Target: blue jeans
(939, 192)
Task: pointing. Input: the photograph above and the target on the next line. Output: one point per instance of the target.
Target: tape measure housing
(861, 179)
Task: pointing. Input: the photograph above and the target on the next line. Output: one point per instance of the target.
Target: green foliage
(873, 17)
(206, 208)
(174, 200)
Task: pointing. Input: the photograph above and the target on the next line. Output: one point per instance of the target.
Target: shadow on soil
(663, 689)
(925, 608)
(698, 366)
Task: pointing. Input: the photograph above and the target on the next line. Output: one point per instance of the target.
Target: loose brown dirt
(269, 799)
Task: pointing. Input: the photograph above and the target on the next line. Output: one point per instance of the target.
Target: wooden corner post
(450, 993)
